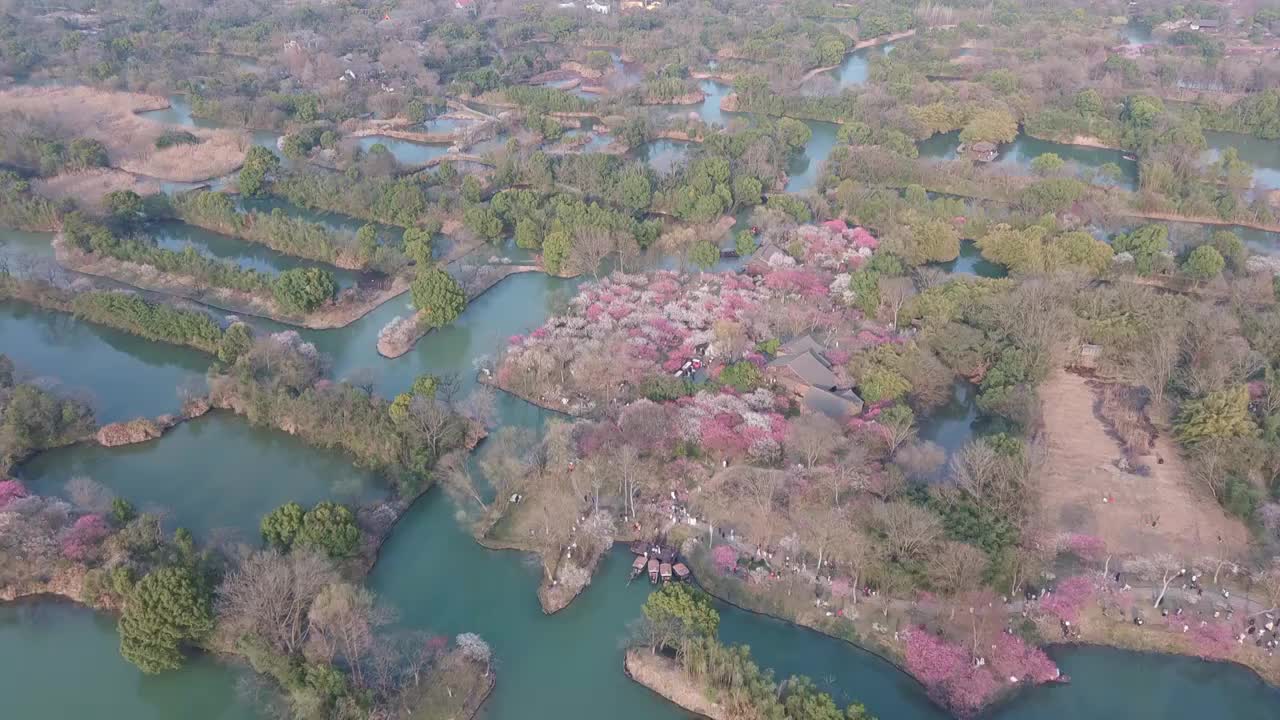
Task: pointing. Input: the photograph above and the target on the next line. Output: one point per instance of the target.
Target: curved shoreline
(1004, 696)
(394, 349)
(809, 628)
(632, 665)
(235, 301)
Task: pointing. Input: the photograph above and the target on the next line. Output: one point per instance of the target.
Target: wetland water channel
(218, 475)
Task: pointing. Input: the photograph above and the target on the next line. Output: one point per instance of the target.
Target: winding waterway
(179, 236)
(1016, 157)
(220, 473)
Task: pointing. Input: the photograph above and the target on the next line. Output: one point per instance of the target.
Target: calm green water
(122, 375)
(1112, 684)
(406, 152)
(856, 66)
(334, 221)
(564, 666)
(1185, 235)
(20, 242)
(216, 476)
(1263, 155)
(1016, 156)
(955, 423)
(60, 661)
(1135, 34)
(251, 256)
(663, 156)
(971, 262)
(179, 113)
(220, 473)
(803, 171)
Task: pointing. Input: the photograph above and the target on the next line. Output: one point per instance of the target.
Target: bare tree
(861, 553)
(646, 425)
(1160, 569)
(894, 293)
(269, 595)
(433, 422)
(455, 473)
(591, 245)
(1209, 466)
(89, 495)
(626, 463)
(508, 463)
(344, 619)
(480, 406)
(956, 567)
(921, 459)
(1152, 366)
(909, 529)
(475, 649)
(810, 438)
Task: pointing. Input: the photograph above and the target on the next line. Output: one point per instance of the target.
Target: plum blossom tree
(1012, 657)
(724, 559)
(11, 490)
(1069, 597)
(948, 671)
(83, 540)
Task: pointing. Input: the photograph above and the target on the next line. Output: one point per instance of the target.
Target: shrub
(167, 608)
(302, 290)
(439, 296)
(170, 138)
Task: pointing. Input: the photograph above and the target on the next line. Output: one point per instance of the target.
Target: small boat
(653, 570)
(637, 567)
(665, 572)
(681, 570)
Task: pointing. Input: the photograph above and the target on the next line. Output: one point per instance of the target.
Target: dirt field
(90, 188)
(110, 118)
(1081, 471)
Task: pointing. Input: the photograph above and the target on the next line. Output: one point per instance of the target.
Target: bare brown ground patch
(1082, 470)
(90, 187)
(110, 118)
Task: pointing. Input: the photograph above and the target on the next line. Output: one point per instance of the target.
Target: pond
(1016, 157)
(120, 374)
(216, 475)
(332, 220)
(444, 124)
(597, 140)
(856, 66)
(663, 156)
(1136, 34)
(955, 423)
(805, 167)
(629, 73)
(60, 660)
(406, 152)
(1262, 155)
(179, 113)
(21, 242)
(1109, 683)
(1186, 235)
(178, 236)
(971, 262)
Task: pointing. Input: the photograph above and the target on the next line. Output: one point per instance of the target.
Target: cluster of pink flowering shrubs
(38, 534)
(658, 322)
(966, 682)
